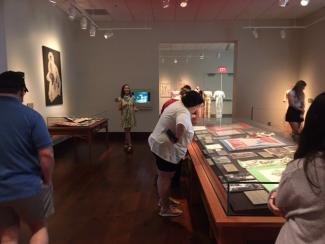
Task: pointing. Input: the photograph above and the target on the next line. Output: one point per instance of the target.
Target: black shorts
(164, 165)
(294, 115)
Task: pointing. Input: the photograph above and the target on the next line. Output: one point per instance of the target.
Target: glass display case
(243, 163)
(76, 121)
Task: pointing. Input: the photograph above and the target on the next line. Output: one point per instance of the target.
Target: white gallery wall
(312, 61)
(94, 69)
(264, 68)
(28, 26)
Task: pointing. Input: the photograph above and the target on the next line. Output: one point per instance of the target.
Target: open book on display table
(78, 120)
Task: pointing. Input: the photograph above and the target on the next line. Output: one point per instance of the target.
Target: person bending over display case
(169, 141)
(296, 108)
(128, 109)
(178, 172)
(301, 192)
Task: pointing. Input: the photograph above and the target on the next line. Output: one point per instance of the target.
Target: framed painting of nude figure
(52, 76)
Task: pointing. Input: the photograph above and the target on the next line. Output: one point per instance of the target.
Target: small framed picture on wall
(165, 90)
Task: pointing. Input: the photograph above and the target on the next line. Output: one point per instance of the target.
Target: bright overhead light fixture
(183, 3)
(175, 61)
(92, 31)
(165, 3)
(283, 3)
(83, 23)
(52, 1)
(108, 34)
(304, 3)
(283, 34)
(255, 33)
(72, 12)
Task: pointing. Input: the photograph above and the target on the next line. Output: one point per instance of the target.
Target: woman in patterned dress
(128, 109)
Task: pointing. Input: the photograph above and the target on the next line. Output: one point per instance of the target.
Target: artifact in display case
(76, 121)
(257, 197)
(277, 151)
(236, 144)
(246, 176)
(241, 155)
(230, 132)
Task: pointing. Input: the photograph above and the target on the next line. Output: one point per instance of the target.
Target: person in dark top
(26, 164)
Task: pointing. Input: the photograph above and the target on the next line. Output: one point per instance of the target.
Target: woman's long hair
(312, 138)
(298, 87)
(122, 91)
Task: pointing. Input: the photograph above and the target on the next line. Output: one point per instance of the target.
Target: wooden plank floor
(114, 200)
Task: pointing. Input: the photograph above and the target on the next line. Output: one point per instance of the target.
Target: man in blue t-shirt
(26, 164)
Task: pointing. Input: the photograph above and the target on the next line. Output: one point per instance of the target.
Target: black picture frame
(52, 76)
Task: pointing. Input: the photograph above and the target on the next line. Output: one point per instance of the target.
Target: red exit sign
(222, 70)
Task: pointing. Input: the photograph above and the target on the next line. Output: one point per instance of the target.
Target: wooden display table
(226, 229)
(86, 132)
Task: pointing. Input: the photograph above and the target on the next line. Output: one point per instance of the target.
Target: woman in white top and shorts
(169, 141)
(295, 112)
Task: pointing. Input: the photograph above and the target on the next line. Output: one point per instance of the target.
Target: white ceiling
(197, 10)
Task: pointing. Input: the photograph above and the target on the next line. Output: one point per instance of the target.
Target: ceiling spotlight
(283, 34)
(165, 3)
(52, 1)
(72, 12)
(108, 34)
(175, 61)
(183, 3)
(283, 3)
(304, 3)
(255, 33)
(83, 23)
(92, 31)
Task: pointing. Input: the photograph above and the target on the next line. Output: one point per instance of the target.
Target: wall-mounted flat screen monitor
(143, 98)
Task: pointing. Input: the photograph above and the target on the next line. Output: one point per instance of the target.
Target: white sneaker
(172, 202)
(170, 212)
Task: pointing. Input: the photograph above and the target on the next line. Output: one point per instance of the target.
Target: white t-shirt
(159, 143)
(298, 102)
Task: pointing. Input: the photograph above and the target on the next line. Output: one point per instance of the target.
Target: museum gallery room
(171, 121)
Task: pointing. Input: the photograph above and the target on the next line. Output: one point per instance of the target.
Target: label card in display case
(257, 197)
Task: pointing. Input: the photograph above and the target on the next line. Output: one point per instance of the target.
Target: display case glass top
(245, 162)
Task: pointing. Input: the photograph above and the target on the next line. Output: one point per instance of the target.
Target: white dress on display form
(207, 103)
(219, 96)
